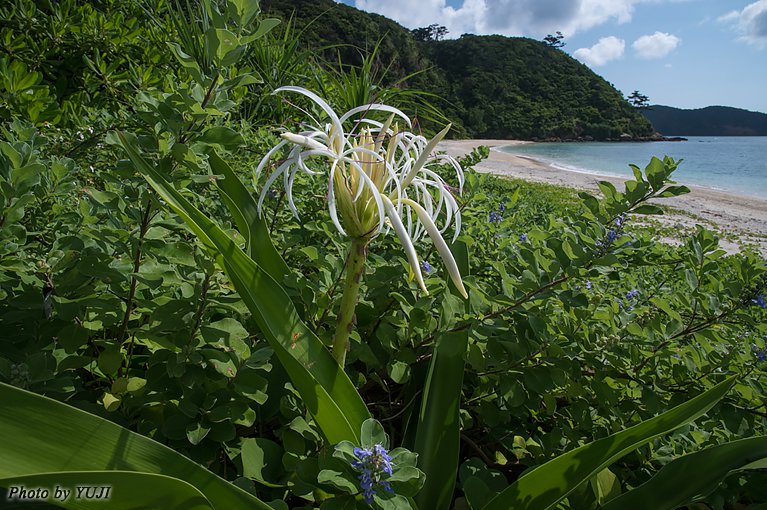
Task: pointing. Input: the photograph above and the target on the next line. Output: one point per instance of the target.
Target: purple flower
(632, 294)
(373, 464)
(759, 301)
(523, 238)
(495, 217)
(588, 284)
(502, 207)
(620, 220)
(425, 266)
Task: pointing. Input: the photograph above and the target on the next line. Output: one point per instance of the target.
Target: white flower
(378, 177)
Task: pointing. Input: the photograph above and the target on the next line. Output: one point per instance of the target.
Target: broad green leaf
(41, 435)
(325, 388)
(437, 439)
(546, 485)
(261, 460)
(117, 490)
(691, 476)
(648, 209)
(224, 136)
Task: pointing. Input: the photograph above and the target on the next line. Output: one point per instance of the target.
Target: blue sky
(683, 53)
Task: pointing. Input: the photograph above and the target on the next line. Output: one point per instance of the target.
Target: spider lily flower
(378, 178)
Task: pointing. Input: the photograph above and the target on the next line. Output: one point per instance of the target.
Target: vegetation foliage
(709, 121)
(492, 86)
(153, 322)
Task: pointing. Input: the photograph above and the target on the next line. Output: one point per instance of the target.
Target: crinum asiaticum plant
(379, 177)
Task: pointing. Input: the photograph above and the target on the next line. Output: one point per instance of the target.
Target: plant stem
(355, 269)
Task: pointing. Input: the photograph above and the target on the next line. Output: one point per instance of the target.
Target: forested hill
(492, 86)
(709, 121)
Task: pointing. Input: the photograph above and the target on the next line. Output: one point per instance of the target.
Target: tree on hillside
(555, 41)
(638, 100)
(433, 32)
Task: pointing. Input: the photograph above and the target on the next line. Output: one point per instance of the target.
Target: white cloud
(657, 45)
(534, 18)
(751, 23)
(607, 49)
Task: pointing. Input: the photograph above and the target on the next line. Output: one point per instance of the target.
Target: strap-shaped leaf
(546, 485)
(244, 211)
(40, 435)
(117, 490)
(438, 435)
(324, 387)
(691, 476)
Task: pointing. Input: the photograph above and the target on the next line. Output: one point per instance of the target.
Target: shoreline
(739, 219)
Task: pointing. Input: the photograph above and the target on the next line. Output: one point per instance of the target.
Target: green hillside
(709, 121)
(492, 86)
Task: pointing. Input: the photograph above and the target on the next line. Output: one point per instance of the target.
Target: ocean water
(737, 164)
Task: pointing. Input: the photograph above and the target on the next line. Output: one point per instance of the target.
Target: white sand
(738, 219)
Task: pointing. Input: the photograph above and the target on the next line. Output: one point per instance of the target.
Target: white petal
(425, 153)
(407, 244)
(439, 243)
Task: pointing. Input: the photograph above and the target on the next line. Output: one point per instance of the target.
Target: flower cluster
(373, 464)
(379, 178)
(523, 238)
(496, 217)
(630, 295)
(426, 266)
(759, 301)
(612, 234)
(759, 354)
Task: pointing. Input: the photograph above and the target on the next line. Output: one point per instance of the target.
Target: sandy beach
(740, 220)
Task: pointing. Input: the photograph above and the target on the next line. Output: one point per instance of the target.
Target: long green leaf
(437, 439)
(41, 435)
(244, 210)
(117, 490)
(549, 483)
(324, 387)
(691, 476)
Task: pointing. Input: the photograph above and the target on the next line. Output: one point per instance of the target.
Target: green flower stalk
(379, 179)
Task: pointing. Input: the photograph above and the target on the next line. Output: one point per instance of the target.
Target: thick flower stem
(355, 269)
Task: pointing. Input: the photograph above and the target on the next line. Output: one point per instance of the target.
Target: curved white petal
(425, 153)
(407, 244)
(374, 107)
(439, 243)
(317, 99)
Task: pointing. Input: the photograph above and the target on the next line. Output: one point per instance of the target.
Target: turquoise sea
(737, 164)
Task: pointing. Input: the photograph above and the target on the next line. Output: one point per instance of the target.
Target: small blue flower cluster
(632, 294)
(496, 217)
(425, 266)
(613, 233)
(523, 238)
(759, 301)
(372, 464)
(588, 284)
(759, 354)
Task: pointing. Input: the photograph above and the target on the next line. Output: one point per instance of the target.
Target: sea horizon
(732, 164)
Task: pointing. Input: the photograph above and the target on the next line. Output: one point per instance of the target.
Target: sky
(682, 53)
